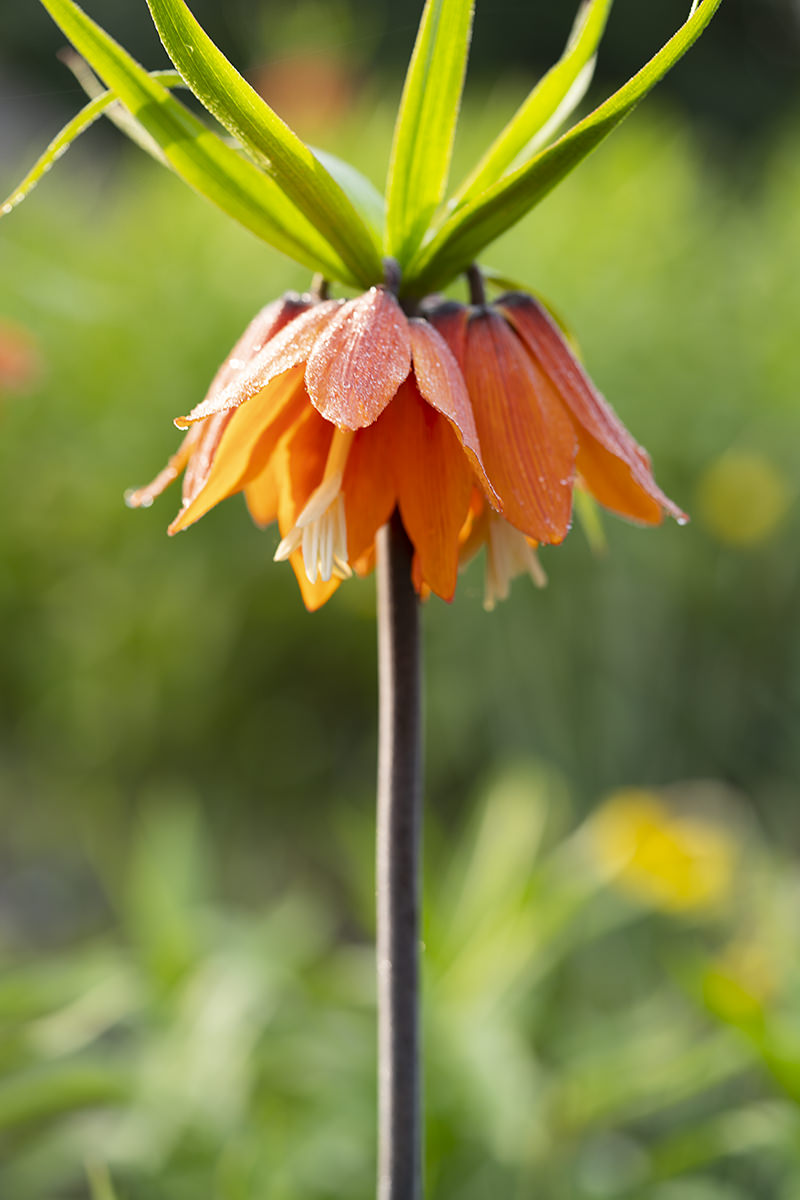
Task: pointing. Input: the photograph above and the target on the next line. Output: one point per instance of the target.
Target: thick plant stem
(397, 873)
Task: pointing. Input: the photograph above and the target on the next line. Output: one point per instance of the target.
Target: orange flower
(20, 364)
(475, 422)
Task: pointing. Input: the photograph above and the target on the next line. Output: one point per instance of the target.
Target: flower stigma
(508, 554)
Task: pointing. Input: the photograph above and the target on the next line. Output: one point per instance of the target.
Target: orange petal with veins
(434, 487)
(610, 481)
(440, 382)
(451, 320)
(527, 438)
(368, 486)
(264, 326)
(360, 360)
(248, 441)
(299, 464)
(589, 408)
(285, 350)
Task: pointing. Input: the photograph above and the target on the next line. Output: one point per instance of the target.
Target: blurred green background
(187, 758)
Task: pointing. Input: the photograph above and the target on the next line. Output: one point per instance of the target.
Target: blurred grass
(171, 716)
(580, 1041)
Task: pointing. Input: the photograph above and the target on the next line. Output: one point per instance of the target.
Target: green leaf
(548, 106)
(426, 123)
(363, 195)
(101, 1186)
(117, 113)
(40, 1095)
(87, 116)
(197, 155)
(288, 161)
(587, 510)
(467, 231)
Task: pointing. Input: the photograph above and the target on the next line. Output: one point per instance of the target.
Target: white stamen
(321, 527)
(288, 545)
(508, 554)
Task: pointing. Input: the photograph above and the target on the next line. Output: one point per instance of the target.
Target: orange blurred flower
(20, 364)
(475, 422)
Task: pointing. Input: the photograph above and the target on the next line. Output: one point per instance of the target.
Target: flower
(672, 862)
(20, 364)
(476, 422)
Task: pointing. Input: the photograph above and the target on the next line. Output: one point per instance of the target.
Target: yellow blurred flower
(742, 497)
(672, 862)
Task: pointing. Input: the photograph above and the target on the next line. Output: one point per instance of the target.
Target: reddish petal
(368, 486)
(246, 444)
(451, 320)
(299, 466)
(527, 438)
(262, 328)
(591, 410)
(434, 486)
(286, 349)
(441, 383)
(360, 360)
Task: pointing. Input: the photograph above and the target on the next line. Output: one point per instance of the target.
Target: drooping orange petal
(199, 465)
(365, 565)
(300, 460)
(451, 320)
(474, 532)
(590, 409)
(434, 487)
(264, 326)
(441, 383)
(143, 497)
(527, 439)
(368, 486)
(360, 360)
(261, 495)
(610, 481)
(285, 350)
(249, 439)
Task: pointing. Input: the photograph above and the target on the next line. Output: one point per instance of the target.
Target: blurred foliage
(578, 1042)
(170, 714)
(739, 79)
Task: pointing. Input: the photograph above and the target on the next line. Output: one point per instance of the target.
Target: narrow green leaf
(467, 231)
(41, 1094)
(426, 124)
(548, 106)
(289, 162)
(117, 113)
(197, 155)
(101, 1186)
(590, 520)
(362, 194)
(87, 116)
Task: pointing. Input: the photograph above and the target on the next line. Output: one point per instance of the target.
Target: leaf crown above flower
(321, 211)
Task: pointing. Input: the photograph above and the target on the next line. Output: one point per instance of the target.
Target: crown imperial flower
(475, 421)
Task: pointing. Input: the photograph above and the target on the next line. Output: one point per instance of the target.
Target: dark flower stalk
(397, 870)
